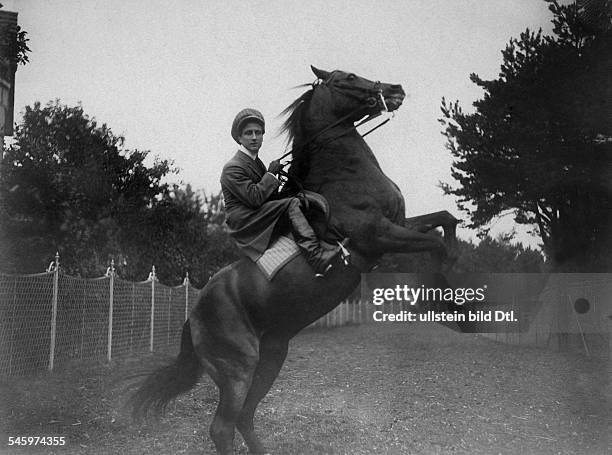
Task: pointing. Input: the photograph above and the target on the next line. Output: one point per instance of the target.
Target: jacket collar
(255, 164)
(247, 152)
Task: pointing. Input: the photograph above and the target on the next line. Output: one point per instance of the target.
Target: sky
(170, 76)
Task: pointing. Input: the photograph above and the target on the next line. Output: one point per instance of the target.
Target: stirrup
(344, 253)
(327, 269)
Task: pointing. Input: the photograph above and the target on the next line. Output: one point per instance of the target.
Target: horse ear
(323, 75)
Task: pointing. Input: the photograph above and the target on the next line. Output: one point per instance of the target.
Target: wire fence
(51, 320)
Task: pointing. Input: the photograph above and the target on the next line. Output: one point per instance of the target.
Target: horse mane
(293, 127)
(293, 124)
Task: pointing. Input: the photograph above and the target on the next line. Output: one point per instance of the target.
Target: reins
(324, 130)
(295, 179)
(377, 126)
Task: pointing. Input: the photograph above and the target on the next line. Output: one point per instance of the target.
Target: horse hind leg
(228, 350)
(233, 389)
(426, 223)
(272, 354)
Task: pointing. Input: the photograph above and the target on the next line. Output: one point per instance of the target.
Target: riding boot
(317, 256)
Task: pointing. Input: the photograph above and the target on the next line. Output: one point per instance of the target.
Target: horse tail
(166, 383)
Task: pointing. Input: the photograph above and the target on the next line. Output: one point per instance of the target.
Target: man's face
(252, 136)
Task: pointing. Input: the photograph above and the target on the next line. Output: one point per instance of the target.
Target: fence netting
(169, 316)
(25, 322)
(82, 319)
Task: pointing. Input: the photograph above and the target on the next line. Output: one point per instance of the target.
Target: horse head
(353, 97)
(336, 100)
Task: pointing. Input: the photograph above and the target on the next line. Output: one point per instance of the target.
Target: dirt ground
(387, 388)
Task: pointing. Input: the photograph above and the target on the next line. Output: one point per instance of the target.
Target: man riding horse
(239, 330)
(254, 211)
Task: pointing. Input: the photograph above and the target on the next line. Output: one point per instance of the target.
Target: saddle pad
(280, 253)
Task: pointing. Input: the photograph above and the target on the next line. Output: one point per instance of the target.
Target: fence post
(12, 332)
(82, 344)
(54, 310)
(110, 273)
(168, 321)
(132, 319)
(360, 312)
(186, 284)
(347, 312)
(152, 278)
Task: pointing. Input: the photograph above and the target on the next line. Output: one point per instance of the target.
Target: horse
(239, 329)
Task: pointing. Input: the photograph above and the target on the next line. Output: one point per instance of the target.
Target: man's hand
(275, 167)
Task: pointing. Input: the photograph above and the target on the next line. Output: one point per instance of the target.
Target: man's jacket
(251, 210)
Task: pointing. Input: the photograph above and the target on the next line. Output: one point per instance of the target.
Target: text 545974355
(36, 440)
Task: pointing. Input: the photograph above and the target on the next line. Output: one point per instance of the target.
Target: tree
(539, 143)
(498, 255)
(14, 44)
(182, 232)
(68, 184)
(488, 256)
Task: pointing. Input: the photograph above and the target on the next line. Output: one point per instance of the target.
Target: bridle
(375, 99)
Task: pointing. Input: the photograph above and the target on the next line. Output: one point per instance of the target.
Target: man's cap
(244, 116)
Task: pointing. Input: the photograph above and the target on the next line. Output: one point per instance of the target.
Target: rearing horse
(239, 330)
